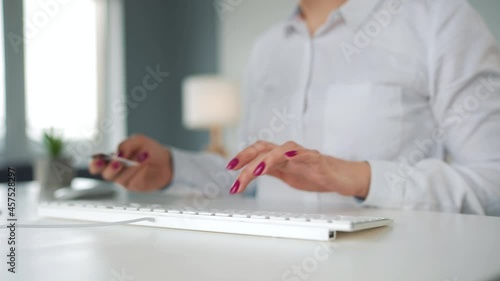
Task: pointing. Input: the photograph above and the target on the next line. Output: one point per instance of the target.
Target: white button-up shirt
(412, 87)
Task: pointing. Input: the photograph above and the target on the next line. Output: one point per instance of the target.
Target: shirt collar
(354, 13)
(294, 22)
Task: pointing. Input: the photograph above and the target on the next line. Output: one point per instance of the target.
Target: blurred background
(96, 71)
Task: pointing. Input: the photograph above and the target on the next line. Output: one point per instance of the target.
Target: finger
(96, 166)
(132, 148)
(246, 175)
(273, 159)
(305, 156)
(112, 170)
(277, 158)
(141, 182)
(126, 175)
(312, 171)
(248, 154)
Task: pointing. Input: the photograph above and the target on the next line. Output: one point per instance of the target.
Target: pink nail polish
(143, 156)
(115, 165)
(291, 153)
(99, 163)
(260, 168)
(232, 164)
(235, 187)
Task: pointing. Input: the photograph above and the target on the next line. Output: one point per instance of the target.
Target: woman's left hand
(300, 168)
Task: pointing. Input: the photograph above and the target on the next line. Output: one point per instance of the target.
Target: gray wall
(14, 84)
(240, 29)
(489, 10)
(180, 36)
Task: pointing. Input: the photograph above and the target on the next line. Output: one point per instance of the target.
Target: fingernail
(260, 168)
(143, 156)
(99, 163)
(120, 154)
(115, 165)
(235, 187)
(232, 164)
(291, 153)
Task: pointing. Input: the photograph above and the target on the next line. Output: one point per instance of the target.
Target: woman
(389, 103)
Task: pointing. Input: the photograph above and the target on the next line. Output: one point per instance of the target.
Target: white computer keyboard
(273, 224)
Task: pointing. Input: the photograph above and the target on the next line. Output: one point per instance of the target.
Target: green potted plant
(54, 169)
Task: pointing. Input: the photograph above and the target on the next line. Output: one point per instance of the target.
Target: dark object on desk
(82, 188)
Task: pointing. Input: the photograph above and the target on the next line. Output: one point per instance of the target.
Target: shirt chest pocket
(363, 121)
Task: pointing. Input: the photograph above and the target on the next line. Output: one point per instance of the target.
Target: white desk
(419, 246)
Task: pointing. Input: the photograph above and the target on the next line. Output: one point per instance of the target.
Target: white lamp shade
(209, 101)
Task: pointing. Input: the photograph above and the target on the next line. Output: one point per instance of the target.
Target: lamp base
(217, 150)
(215, 145)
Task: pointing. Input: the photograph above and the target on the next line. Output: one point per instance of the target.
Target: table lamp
(210, 102)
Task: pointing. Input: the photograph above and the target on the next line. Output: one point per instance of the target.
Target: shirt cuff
(385, 188)
(180, 160)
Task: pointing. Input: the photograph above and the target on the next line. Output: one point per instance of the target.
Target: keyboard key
(259, 215)
(277, 217)
(189, 211)
(320, 219)
(222, 214)
(205, 213)
(241, 214)
(298, 218)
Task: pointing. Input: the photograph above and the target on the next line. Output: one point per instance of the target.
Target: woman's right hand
(153, 173)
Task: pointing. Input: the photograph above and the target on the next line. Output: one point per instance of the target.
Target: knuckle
(92, 168)
(106, 176)
(316, 155)
(245, 175)
(290, 143)
(261, 144)
(122, 144)
(316, 152)
(252, 151)
(139, 137)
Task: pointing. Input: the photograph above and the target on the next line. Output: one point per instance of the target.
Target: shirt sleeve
(201, 170)
(464, 71)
